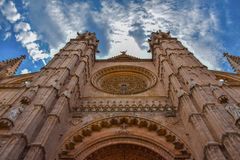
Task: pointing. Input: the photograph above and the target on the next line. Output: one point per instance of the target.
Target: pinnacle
(234, 61)
(22, 57)
(10, 66)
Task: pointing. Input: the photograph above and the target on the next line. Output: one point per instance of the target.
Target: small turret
(9, 67)
(234, 62)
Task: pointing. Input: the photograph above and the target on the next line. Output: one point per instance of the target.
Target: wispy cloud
(7, 35)
(60, 20)
(9, 10)
(22, 26)
(23, 32)
(126, 25)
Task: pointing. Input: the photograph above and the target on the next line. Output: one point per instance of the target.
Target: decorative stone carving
(27, 84)
(25, 100)
(67, 94)
(120, 109)
(180, 93)
(192, 84)
(124, 80)
(123, 130)
(8, 119)
(170, 112)
(5, 123)
(211, 151)
(14, 112)
(75, 121)
(29, 95)
(123, 122)
(125, 105)
(234, 111)
(128, 116)
(222, 98)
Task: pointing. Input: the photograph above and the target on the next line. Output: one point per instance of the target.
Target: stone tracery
(123, 80)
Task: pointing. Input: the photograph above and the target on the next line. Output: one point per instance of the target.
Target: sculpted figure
(14, 112)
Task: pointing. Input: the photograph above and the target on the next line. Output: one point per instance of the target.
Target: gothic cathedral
(169, 107)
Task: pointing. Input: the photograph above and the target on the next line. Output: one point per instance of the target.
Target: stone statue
(14, 112)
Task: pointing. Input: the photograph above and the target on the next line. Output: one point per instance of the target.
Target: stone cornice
(124, 105)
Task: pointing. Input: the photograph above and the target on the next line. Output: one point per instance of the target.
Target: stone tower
(9, 67)
(124, 108)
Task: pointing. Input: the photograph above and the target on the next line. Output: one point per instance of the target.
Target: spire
(9, 67)
(234, 61)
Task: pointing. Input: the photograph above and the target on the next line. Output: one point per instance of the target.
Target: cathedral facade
(169, 107)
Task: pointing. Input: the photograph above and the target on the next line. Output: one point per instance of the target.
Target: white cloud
(69, 19)
(22, 26)
(35, 52)
(7, 35)
(25, 71)
(25, 3)
(23, 31)
(26, 37)
(191, 22)
(9, 10)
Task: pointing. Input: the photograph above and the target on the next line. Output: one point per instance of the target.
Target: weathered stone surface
(81, 108)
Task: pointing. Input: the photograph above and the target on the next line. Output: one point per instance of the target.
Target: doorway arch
(124, 152)
(118, 131)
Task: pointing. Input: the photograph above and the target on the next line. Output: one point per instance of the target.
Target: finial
(123, 52)
(22, 56)
(225, 54)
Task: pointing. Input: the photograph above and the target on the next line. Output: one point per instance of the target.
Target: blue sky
(39, 28)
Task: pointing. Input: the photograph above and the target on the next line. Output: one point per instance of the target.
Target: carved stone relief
(124, 80)
(234, 111)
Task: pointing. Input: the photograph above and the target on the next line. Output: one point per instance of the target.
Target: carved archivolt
(124, 80)
(123, 122)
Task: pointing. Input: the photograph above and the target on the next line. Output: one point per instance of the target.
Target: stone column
(55, 125)
(203, 140)
(209, 98)
(50, 82)
(195, 124)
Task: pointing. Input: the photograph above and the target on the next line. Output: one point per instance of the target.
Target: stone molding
(135, 79)
(77, 137)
